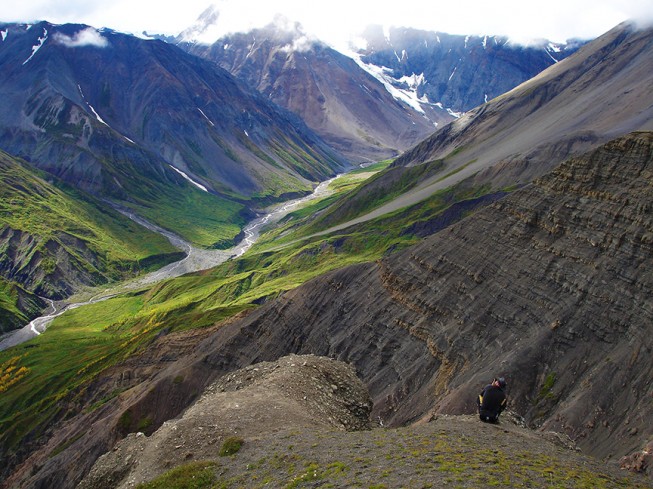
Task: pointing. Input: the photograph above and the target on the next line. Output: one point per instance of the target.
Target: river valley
(196, 259)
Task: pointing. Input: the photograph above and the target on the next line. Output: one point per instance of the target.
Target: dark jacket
(491, 402)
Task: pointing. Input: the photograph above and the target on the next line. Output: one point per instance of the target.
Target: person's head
(499, 382)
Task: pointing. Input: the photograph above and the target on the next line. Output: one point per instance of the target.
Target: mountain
(376, 101)
(600, 92)
(349, 108)
(459, 72)
(548, 287)
(55, 239)
(143, 123)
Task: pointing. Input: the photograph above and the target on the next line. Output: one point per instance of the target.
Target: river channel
(196, 259)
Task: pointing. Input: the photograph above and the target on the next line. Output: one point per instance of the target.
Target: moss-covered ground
(457, 451)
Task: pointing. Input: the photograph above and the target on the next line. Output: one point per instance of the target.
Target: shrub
(231, 446)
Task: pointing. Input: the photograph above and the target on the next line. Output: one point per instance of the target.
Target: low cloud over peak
(85, 37)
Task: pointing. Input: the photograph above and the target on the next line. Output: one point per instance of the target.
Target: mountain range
(458, 72)
(371, 103)
(588, 99)
(515, 240)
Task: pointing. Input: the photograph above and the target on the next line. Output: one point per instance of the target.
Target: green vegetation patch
(11, 316)
(231, 446)
(205, 219)
(195, 475)
(379, 189)
(547, 387)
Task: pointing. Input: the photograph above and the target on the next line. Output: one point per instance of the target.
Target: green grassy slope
(44, 225)
(201, 218)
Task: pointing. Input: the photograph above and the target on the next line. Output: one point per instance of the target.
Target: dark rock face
(461, 72)
(49, 268)
(549, 287)
(346, 106)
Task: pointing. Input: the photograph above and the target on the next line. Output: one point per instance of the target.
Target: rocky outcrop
(54, 268)
(640, 461)
(294, 393)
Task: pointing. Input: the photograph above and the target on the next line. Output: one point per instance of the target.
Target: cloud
(86, 37)
(336, 21)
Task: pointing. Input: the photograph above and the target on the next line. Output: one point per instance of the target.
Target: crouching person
(492, 401)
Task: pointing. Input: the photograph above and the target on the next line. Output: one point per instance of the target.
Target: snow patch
(4, 34)
(210, 121)
(381, 74)
(198, 185)
(413, 81)
(452, 73)
(38, 46)
(97, 116)
(551, 56)
(386, 34)
(485, 42)
(486, 98)
(466, 39)
(246, 133)
(85, 37)
(554, 47)
(251, 49)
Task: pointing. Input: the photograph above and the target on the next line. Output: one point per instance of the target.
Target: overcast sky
(335, 20)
